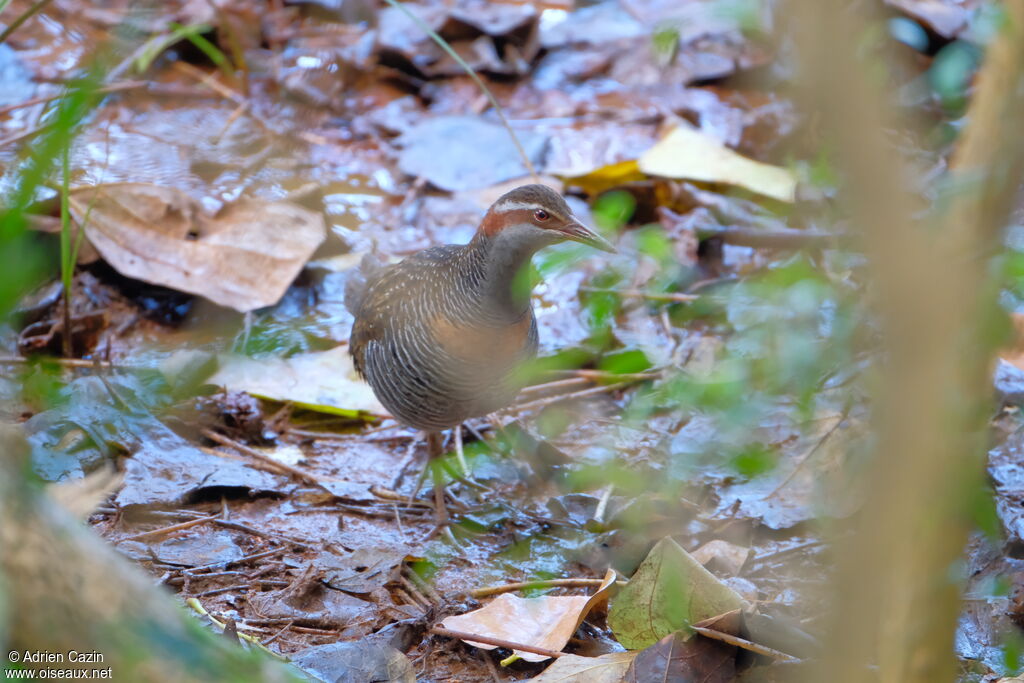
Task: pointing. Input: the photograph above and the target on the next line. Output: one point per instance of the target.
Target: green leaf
(612, 210)
(952, 70)
(625, 362)
(652, 240)
(42, 384)
(754, 460)
(669, 591)
(665, 41)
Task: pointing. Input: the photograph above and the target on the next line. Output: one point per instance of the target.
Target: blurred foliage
(612, 210)
(665, 42)
(20, 257)
(952, 71)
(42, 384)
(279, 336)
(784, 333)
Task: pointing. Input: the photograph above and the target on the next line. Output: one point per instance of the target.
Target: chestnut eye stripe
(532, 207)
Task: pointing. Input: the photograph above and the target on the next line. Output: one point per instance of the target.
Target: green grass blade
(25, 16)
(20, 262)
(157, 44)
(212, 52)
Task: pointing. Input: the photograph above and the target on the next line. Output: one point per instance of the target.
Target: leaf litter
(544, 621)
(348, 133)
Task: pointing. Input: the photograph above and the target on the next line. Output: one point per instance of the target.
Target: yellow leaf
(689, 154)
(607, 177)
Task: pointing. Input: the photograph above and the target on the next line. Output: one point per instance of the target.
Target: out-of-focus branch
(897, 602)
(66, 589)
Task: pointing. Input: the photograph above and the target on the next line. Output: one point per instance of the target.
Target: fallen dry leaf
(687, 153)
(726, 556)
(548, 621)
(676, 659)
(244, 257)
(324, 381)
(609, 668)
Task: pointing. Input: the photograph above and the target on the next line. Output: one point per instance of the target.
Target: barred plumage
(442, 335)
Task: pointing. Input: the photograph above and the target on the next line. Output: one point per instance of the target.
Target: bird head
(537, 215)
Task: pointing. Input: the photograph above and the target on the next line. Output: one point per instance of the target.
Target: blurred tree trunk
(66, 589)
(897, 586)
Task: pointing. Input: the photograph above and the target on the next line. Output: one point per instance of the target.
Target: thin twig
(238, 526)
(225, 589)
(67, 362)
(42, 99)
(425, 587)
(772, 239)
(549, 583)
(421, 600)
(408, 599)
(495, 676)
(277, 635)
(24, 134)
(763, 559)
(170, 529)
(198, 607)
(210, 81)
(745, 644)
(602, 505)
(674, 297)
(807, 456)
(240, 560)
(554, 384)
(439, 630)
(302, 475)
(542, 402)
(584, 373)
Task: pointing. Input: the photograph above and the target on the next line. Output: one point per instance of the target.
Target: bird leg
(435, 450)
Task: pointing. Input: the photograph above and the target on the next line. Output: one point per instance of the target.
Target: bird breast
(432, 355)
(482, 345)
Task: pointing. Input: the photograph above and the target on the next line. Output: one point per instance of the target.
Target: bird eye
(541, 215)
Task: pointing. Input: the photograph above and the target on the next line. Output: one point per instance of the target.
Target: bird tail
(358, 281)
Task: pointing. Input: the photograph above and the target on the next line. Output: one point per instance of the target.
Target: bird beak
(577, 232)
